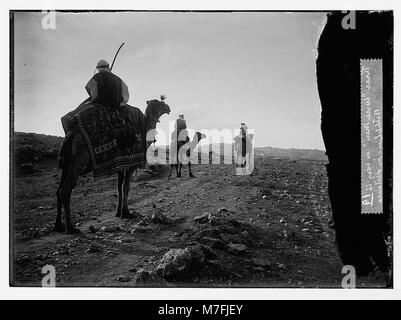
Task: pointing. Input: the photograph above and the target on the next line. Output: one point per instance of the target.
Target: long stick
(112, 64)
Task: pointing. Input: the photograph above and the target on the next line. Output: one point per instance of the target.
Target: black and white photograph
(201, 149)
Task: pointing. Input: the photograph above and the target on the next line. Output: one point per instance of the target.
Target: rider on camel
(104, 88)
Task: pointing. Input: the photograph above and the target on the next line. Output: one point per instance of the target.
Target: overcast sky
(218, 69)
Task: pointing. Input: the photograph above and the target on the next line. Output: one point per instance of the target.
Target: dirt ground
(279, 227)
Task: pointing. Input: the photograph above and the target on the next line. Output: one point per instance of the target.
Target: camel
(243, 148)
(75, 160)
(175, 147)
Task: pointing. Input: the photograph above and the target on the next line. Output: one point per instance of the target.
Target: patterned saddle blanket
(116, 137)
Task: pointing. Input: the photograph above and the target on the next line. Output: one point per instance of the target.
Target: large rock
(197, 255)
(177, 263)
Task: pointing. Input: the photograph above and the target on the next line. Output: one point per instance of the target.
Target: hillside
(34, 147)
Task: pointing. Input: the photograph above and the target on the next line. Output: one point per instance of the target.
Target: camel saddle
(115, 136)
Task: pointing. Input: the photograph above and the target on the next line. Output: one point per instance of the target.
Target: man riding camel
(104, 88)
(178, 136)
(243, 131)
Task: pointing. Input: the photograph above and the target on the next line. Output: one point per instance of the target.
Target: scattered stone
(237, 247)
(93, 229)
(133, 269)
(261, 262)
(213, 243)
(146, 277)
(202, 218)
(94, 248)
(184, 237)
(209, 253)
(245, 233)
(123, 278)
(143, 222)
(158, 217)
(223, 209)
(140, 270)
(108, 229)
(282, 266)
(258, 268)
(140, 229)
(197, 254)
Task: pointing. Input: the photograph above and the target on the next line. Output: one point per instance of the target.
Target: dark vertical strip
(11, 150)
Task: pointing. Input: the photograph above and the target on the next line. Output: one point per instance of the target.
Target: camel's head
(156, 108)
(199, 136)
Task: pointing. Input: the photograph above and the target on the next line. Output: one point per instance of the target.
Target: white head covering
(102, 64)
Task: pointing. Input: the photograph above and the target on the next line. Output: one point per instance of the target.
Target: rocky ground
(269, 229)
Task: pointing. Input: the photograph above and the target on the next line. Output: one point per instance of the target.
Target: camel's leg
(120, 181)
(126, 186)
(171, 170)
(66, 190)
(80, 160)
(179, 170)
(190, 171)
(59, 227)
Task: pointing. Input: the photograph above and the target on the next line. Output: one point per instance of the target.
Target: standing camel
(75, 160)
(175, 155)
(243, 149)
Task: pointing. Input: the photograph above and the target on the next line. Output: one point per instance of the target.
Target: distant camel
(75, 160)
(175, 154)
(243, 148)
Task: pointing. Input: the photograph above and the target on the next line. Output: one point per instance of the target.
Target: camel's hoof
(191, 175)
(72, 230)
(58, 228)
(128, 216)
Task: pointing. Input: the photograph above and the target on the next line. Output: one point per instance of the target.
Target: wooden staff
(112, 64)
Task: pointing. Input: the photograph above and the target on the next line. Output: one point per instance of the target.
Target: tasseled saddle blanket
(116, 137)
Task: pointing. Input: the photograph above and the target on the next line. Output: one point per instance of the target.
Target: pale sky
(218, 69)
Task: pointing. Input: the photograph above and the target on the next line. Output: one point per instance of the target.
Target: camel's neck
(194, 142)
(150, 130)
(150, 123)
